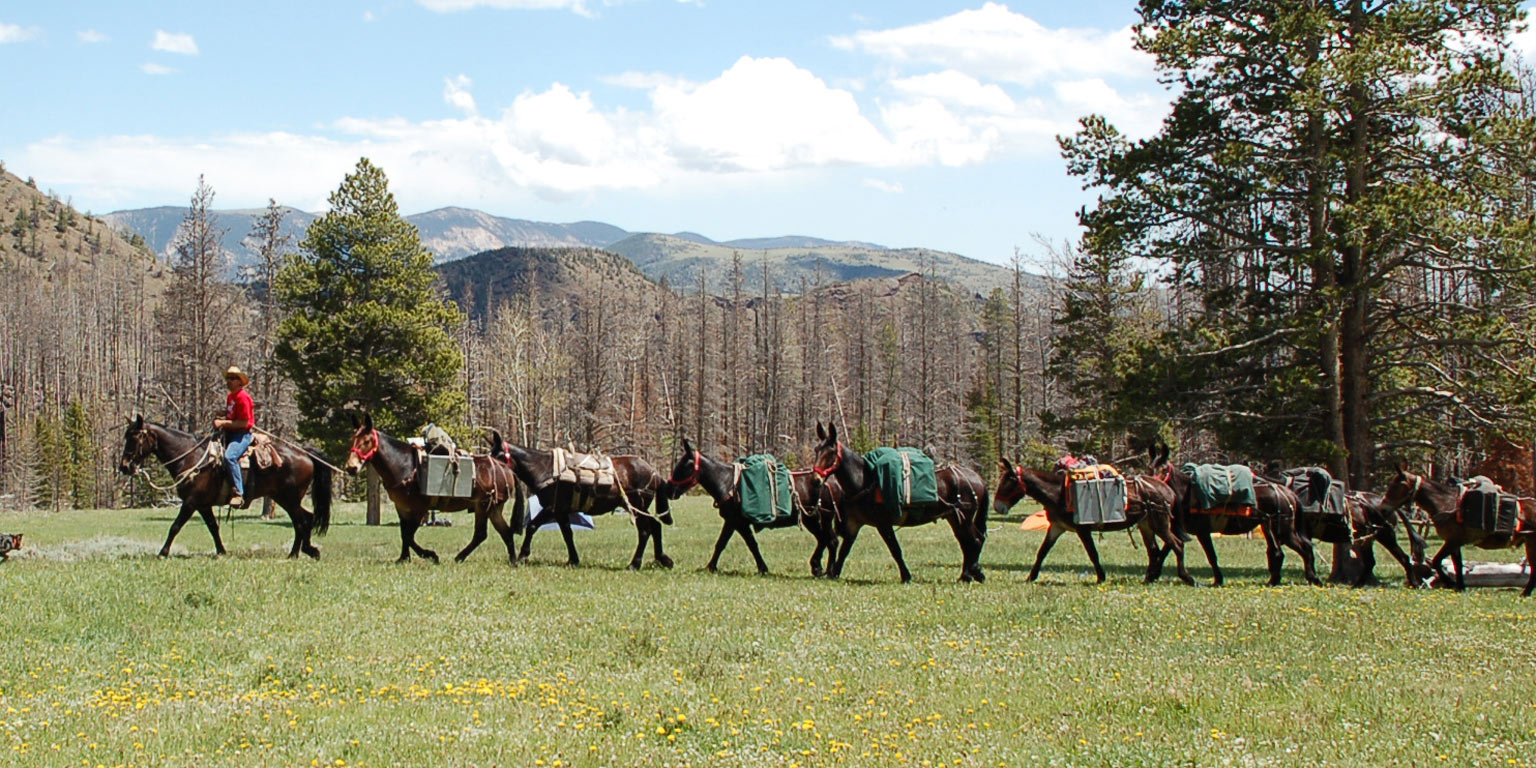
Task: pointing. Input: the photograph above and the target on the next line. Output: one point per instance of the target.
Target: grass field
(112, 657)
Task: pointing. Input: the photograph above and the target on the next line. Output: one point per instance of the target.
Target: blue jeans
(235, 446)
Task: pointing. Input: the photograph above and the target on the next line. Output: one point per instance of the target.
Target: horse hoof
(664, 561)
(313, 552)
(711, 569)
(762, 571)
(572, 563)
(164, 553)
(906, 579)
(815, 573)
(965, 578)
(979, 575)
(634, 565)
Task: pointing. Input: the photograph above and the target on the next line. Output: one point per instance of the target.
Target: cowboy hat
(234, 372)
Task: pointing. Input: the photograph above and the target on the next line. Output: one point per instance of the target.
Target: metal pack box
(448, 476)
(1098, 501)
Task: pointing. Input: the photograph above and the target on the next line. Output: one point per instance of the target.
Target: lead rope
(301, 449)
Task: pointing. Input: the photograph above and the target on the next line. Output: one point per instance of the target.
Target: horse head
(365, 443)
(1401, 490)
(138, 444)
(685, 473)
(1010, 487)
(829, 452)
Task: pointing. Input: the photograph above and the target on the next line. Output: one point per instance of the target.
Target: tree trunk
(373, 496)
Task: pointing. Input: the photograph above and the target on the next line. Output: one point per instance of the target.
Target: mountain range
(794, 261)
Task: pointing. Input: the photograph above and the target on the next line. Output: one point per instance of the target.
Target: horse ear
(821, 432)
(355, 422)
(1002, 463)
(687, 446)
(368, 420)
(832, 432)
(138, 421)
(1402, 467)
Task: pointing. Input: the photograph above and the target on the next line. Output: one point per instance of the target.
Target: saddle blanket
(765, 489)
(1221, 489)
(1321, 495)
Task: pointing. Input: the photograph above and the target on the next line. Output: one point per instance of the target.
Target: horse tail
(1177, 522)
(983, 509)
(1416, 542)
(320, 490)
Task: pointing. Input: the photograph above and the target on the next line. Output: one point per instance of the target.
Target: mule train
(844, 491)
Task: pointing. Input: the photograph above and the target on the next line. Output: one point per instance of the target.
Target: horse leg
(481, 519)
(1436, 562)
(1217, 579)
(1154, 562)
(727, 530)
(1086, 536)
(1461, 569)
(970, 549)
(1387, 537)
(1045, 548)
(819, 531)
(409, 522)
(888, 533)
(1530, 562)
(571, 558)
(508, 536)
(1303, 547)
(642, 535)
(182, 516)
(1273, 554)
(303, 526)
(417, 548)
(835, 569)
(751, 540)
(655, 526)
(212, 521)
(1365, 551)
(544, 516)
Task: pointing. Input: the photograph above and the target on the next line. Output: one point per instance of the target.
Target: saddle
(262, 449)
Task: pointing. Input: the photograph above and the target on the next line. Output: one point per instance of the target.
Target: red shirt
(240, 407)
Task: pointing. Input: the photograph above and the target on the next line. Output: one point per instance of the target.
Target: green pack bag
(765, 490)
(1220, 485)
(905, 477)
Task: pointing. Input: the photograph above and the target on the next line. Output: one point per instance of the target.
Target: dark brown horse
(963, 503)
(1149, 508)
(819, 502)
(637, 484)
(1441, 502)
(718, 479)
(396, 463)
(202, 482)
(1365, 525)
(1277, 515)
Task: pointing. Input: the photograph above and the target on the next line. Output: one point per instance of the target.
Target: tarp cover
(764, 489)
(1216, 486)
(1320, 494)
(1486, 507)
(905, 477)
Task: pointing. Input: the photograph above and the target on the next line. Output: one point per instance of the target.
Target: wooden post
(373, 497)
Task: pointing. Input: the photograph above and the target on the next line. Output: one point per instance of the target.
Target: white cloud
(766, 114)
(174, 43)
(995, 43)
(958, 89)
(450, 6)
(91, 36)
(368, 16)
(15, 33)
(151, 68)
(1524, 42)
(456, 93)
(893, 187)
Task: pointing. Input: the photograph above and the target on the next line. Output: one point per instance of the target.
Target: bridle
(825, 473)
(364, 456)
(692, 479)
(144, 445)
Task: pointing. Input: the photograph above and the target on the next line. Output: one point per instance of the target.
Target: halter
(692, 479)
(361, 456)
(824, 473)
(1018, 476)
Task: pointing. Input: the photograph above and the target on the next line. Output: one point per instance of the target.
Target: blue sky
(900, 122)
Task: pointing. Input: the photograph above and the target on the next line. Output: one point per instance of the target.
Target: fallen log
(1485, 574)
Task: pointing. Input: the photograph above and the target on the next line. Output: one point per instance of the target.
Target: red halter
(375, 449)
(1018, 476)
(823, 473)
(692, 479)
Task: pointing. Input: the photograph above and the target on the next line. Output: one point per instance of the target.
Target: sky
(910, 123)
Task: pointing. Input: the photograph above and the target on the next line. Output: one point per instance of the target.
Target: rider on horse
(239, 419)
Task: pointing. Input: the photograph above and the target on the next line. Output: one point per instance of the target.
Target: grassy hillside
(680, 261)
(42, 234)
(114, 658)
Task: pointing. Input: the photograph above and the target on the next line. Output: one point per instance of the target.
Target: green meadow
(115, 658)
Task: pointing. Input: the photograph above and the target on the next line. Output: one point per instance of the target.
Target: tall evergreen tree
(365, 326)
(1341, 194)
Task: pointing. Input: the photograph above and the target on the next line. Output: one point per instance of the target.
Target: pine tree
(81, 453)
(365, 327)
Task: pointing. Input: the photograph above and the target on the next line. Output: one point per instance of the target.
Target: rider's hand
(220, 423)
